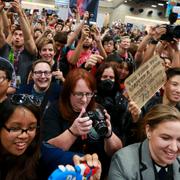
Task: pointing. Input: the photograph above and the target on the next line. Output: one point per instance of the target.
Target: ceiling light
(160, 4)
(153, 5)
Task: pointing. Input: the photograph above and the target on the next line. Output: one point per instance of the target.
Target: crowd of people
(63, 99)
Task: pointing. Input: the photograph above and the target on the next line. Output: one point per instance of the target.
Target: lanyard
(11, 56)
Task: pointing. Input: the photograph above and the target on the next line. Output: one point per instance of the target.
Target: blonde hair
(158, 114)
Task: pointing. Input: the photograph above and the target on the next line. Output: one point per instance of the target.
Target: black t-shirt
(53, 125)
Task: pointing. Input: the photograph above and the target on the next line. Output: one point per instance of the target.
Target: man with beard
(83, 56)
(23, 50)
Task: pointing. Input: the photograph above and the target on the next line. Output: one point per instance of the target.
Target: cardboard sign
(146, 81)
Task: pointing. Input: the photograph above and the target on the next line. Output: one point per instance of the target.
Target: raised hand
(93, 60)
(16, 6)
(92, 161)
(96, 33)
(81, 125)
(2, 5)
(135, 110)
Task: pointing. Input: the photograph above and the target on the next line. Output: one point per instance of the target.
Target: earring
(148, 136)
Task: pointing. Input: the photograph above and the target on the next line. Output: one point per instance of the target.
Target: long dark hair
(22, 167)
(100, 71)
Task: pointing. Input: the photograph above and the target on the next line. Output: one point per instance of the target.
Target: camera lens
(99, 123)
(101, 128)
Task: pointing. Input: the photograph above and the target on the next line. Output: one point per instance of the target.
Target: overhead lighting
(160, 4)
(37, 4)
(125, 1)
(144, 19)
(153, 5)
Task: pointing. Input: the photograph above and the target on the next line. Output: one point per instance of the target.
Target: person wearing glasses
(157, 157)
(108, 44)
(19, 138)
(66, 126)
(6, 71)
(42, 86)
(20, 157)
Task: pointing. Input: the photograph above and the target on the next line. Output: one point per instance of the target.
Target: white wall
(121, 13)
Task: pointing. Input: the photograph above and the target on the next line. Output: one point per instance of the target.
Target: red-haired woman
(66, 126)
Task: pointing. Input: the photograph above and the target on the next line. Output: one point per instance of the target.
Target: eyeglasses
(80, 95)
(2, 79)
(19, 99)
(40, 73)
(16, 131)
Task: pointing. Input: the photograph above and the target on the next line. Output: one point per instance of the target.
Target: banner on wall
(85, 5)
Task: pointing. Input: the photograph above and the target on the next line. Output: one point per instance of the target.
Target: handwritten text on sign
(146, 81)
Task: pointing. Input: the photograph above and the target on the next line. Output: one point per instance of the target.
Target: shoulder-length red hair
(73, 76)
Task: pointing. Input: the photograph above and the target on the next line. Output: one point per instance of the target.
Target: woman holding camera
(157, 157)
(67, 126)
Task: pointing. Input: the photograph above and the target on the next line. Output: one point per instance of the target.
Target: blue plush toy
(80, 172)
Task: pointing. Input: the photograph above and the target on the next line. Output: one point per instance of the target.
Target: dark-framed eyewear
(40, 73)
(81, 94)
(18, 130)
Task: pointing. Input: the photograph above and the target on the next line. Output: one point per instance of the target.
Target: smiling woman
(73, 123)
(158, 156)
(19, 138)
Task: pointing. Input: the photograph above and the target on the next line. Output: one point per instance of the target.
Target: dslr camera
(172, 31)
(99, 121)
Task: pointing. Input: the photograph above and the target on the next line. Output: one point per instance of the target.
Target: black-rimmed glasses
(19, 99)
(40, 73)
(80, 95)
(16, 131)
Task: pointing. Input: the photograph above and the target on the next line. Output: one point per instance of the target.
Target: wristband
(2, 11)
(72, 132)
(107, 137)
(153, 41)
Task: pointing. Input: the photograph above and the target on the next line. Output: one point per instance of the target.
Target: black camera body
(172, 31)
(99, 121)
